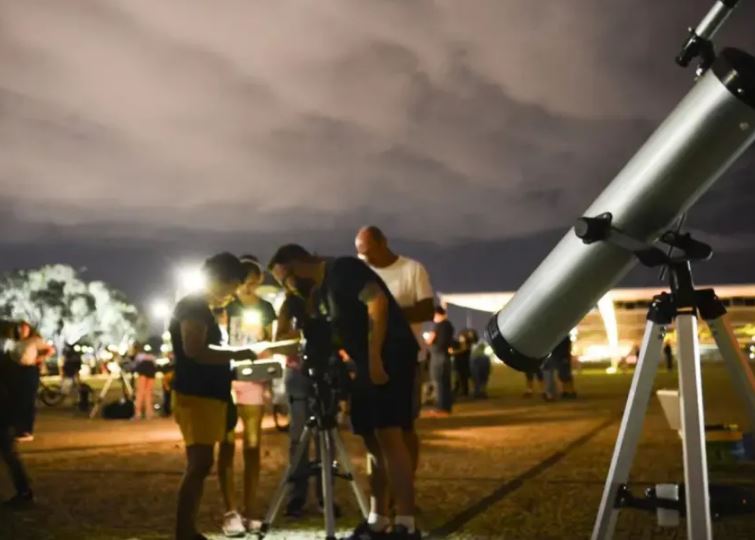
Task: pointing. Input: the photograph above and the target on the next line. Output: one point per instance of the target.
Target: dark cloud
(134, 122)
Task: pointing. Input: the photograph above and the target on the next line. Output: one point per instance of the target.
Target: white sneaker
(25, 437)
(233, 525)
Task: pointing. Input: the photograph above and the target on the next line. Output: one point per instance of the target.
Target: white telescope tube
(707, 131)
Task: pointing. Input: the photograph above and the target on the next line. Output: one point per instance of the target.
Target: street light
(190, 279)
(160, 309)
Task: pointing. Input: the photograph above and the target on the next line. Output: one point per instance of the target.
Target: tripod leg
(693, 430)
(630, 430)
(343, 458)
(326, 462)
(101, 398)
(736, 362)
(129, 390)
(280, 492)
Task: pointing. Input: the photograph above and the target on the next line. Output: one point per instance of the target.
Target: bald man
(409, 284)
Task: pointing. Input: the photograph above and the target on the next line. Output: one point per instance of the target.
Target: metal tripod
(682, 307)
(128, 391)
(323, 428)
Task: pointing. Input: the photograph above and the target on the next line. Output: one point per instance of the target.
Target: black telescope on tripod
(699, 140)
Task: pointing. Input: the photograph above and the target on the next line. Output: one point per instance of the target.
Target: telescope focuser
(600, 228)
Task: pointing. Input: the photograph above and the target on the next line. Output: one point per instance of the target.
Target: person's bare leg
(251, 480)
(139, 400)
(398, 467)
(225, 475)
(411, 439)
(378, 479)
(198, 465)
(149, 405)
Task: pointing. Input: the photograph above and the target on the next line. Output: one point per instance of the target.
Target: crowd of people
(376, 305)
(374, 308)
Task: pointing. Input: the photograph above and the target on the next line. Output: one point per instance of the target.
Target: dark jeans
(167, 402)
(9, 455)
(564, 371)
(440, 373)
(297, 389)
(480, 367)
(531, 375)
(462, 369)
(27, 387)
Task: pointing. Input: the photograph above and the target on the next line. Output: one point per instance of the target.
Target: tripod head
(683, 251)
(699, 44)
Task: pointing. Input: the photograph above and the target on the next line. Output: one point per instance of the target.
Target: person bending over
(368, 324)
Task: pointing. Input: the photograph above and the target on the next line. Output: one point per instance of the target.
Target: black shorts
(389, 405)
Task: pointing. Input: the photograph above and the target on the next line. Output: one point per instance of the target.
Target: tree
(65, 308)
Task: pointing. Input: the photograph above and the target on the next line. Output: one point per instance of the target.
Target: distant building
(617, 323)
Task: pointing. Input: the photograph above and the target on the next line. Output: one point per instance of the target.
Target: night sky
(136, 135)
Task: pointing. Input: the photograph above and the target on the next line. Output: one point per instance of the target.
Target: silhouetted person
(441, 341)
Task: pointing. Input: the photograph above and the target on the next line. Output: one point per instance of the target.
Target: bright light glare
(252, 317)
(147, 347)
(160, 309)
(191, 279)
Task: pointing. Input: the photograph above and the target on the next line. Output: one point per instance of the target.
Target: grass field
(508, 467)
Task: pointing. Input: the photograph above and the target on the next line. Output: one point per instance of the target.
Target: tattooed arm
(377, 311)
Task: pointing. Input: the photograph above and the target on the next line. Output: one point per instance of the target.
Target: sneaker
(400, 532)
(20, 501)
(253, 526)
(24, 437)
(233, 525)
(363, 531)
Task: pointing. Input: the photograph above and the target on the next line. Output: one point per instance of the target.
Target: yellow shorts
(251, 421)
(201, 420)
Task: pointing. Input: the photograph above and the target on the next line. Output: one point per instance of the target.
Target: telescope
(698, 141)
(701, 138)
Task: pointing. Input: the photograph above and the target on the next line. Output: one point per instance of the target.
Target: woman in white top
(30, 352)
(250, 320)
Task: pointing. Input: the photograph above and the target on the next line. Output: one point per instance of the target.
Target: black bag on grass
(122, 409)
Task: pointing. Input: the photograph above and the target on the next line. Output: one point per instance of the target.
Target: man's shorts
(201, 420)
(389, 405)
(251, 422)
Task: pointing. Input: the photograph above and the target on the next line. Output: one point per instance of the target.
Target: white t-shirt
(409, 284)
